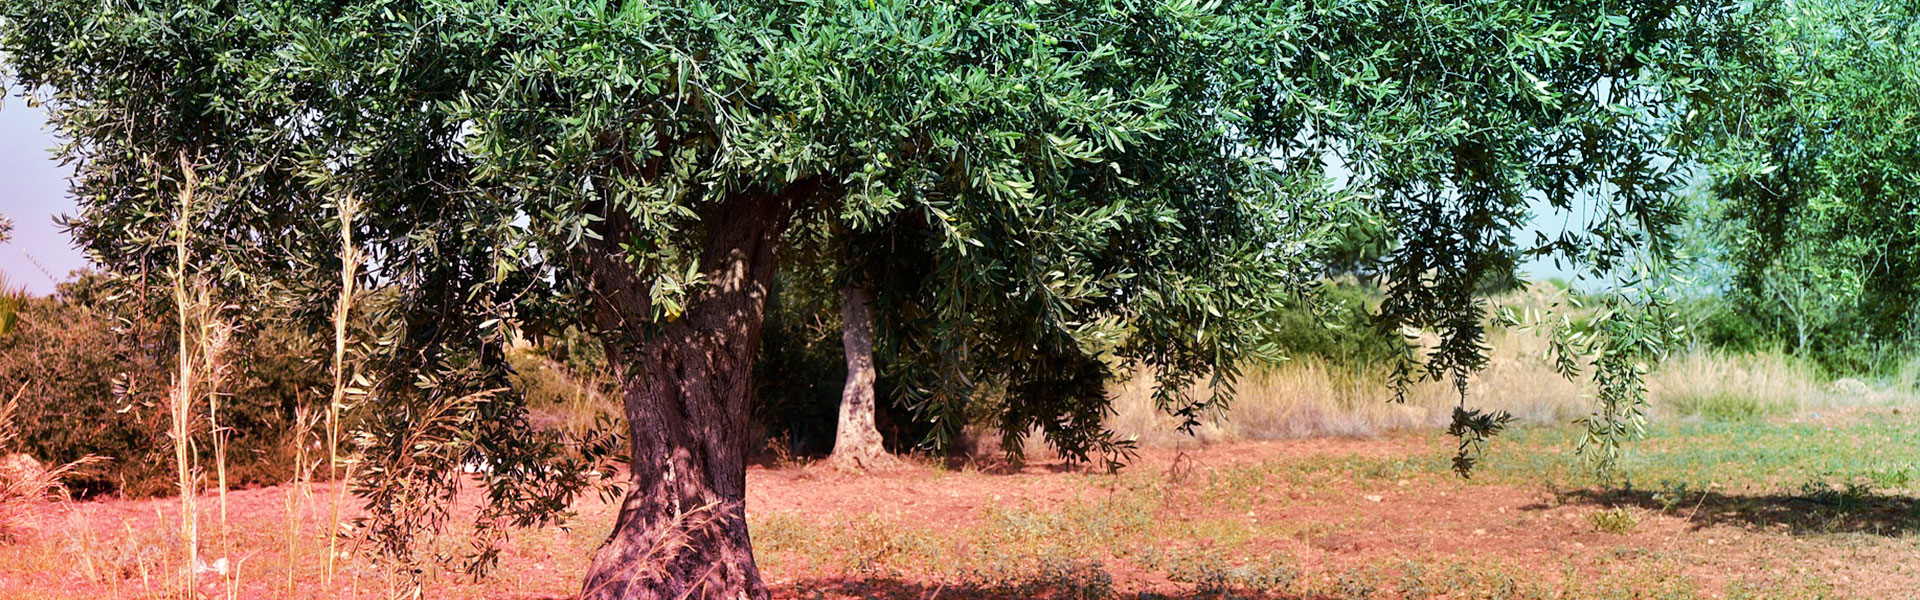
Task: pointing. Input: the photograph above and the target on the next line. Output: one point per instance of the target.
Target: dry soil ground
(1784, 509)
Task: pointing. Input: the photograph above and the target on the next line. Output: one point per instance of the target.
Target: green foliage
(1473, 428)
(11, 300)
(1816, 177)
(1336, 324)
(1616, 339)
(1843, 347)
(90, 390)
(1358, 247)
(1720, 323)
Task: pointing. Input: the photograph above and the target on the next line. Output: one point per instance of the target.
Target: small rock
(1374, 497)
(1850, 386)
(19, 468)
(218, 567)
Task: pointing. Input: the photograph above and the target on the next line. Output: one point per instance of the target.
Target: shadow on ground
(1819, 510)
(885, 588)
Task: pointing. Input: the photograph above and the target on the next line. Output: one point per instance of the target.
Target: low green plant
(1354, 585)
(1897, 477)
(1066, 578)
(1619, 520)
(1727, 406)
(1847, 497)
(1675, 494)
(1212, 573)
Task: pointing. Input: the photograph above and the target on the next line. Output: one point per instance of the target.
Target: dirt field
(1812, 509)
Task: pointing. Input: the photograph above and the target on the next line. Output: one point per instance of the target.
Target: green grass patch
(1726, 405)
(1882, 449)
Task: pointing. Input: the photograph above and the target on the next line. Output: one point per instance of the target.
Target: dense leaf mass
(1816, 173)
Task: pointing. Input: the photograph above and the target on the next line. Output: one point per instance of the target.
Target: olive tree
(1817, 164)
(1080, 187)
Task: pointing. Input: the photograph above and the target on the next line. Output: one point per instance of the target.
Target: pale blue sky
(33, 189)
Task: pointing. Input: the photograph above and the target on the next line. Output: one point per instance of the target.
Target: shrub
(93, 368)
(25, 482)
(1848, 346)
(1725, 326)
(1337, 326)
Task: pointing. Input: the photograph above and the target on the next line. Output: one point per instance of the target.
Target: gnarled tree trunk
(682, 529)
(856, 442)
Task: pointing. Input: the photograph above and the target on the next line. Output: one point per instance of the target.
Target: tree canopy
(1815, 170)
(1067, 190)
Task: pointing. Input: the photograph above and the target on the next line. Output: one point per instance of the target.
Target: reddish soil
(1350, 527)
(96, 549)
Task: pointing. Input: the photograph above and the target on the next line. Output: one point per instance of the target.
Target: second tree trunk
(857, 444)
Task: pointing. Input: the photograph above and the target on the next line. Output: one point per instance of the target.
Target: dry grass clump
(26, 485)
(1718, 385)
(1907, 377)
(1310, 397)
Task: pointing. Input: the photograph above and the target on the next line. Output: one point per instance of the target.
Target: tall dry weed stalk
(183, 384)
(214, 338)
(340, 471)
(204, 339)
(299, 489)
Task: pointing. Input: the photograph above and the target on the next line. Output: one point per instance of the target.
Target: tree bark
(856, 442)
(682, 529)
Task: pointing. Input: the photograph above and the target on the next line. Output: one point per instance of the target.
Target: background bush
(1339, 329)
(93, 365)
